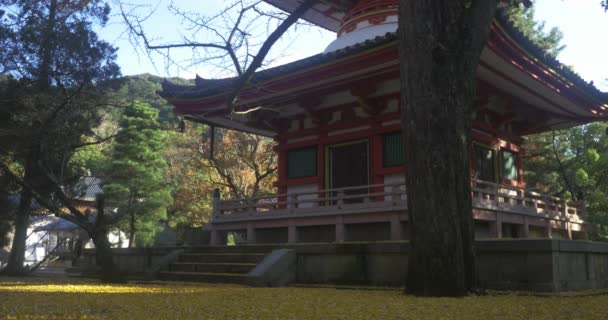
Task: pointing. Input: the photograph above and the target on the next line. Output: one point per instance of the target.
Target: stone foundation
(515, 264)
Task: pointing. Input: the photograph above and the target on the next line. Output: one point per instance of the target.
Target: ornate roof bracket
(310, 106)
(362, 96)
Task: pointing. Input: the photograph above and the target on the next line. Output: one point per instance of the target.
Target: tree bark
(132, 229)
(17, 255)
(6, 238)
(16, 259)
(105, 258)
(440, 45)
(103, 249)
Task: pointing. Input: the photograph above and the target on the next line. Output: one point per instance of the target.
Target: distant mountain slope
(144, 86)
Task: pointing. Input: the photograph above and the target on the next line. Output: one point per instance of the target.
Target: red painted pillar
(520, 168)
(321, 164)
(376, 164)
(282, 172)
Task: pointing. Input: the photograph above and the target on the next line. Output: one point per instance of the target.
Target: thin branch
(43, 201)
(245, 78)
(562, 169)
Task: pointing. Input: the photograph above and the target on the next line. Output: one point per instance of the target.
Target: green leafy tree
(134, 182)
(573, 164)
(567, 163)
(56, 69)
(523, 19)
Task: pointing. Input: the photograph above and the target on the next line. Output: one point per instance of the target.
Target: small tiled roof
(59, 224)
(10, 203)
(87, 188)
(206, 87)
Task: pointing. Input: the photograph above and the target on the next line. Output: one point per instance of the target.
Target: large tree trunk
(7, 234)
(105, 258)
(132, 230)
(17, 255)
(16, 258)
(440, 45)
(103, 248)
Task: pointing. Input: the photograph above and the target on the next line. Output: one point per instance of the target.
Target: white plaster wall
(392, 179)
(391, 106)
(364, 31)
(305, 188)
(309, 123)
(34, 247)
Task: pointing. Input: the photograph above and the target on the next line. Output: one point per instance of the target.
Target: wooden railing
(488, 195)
(367, 198)
(388, 197)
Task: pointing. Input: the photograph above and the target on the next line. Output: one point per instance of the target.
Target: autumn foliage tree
(243, 165)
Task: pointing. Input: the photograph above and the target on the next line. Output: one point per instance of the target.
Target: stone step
(202, 277)
(219, 267)
(253, 248)
(221, 257)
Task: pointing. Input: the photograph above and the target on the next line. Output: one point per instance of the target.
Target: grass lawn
(42, 298)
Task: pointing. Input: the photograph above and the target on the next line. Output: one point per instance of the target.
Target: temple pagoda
(335, 119)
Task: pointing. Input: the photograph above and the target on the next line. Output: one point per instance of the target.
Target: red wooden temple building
(335, 118)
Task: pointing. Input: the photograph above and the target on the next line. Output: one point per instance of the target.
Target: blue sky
(583, 23)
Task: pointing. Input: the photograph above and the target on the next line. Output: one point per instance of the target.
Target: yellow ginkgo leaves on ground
(39, 298)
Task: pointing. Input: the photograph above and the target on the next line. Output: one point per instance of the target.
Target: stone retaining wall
(516, 264)
(130, 261)
(527, 264)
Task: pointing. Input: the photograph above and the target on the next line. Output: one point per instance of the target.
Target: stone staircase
(215, 264)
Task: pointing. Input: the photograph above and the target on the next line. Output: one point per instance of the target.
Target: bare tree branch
(244, 79)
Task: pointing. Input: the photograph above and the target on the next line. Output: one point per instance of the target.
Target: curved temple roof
(581, 100)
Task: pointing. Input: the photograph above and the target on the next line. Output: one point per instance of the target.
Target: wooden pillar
(569, 229)
(250, 233)
(584, 233)
(496, 226)
(292, 232)
(216, 203)
(548, 230)
(282, 172)
(526, 227)
(520, 167)
(340, 231)
(396, 227)
(376, 165)
(215, 237)
(321, 162)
